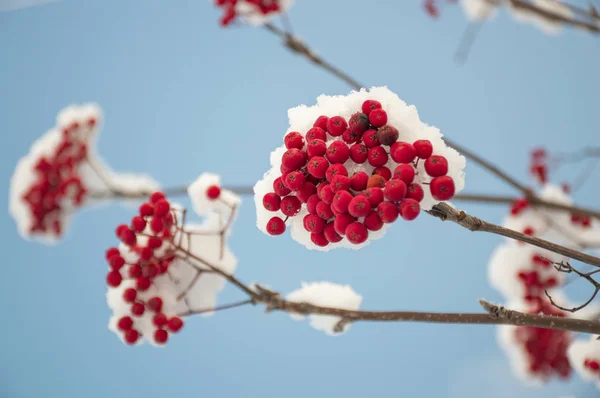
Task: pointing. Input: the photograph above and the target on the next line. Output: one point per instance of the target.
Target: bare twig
(445, 212)
(215, 309)
(169, 191)
(566, 267)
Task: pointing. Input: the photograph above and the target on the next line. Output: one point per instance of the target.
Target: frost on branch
(60, 174)
(585, 358)
(253, 12)
(166, 269)
(350, 166)
(326, 294)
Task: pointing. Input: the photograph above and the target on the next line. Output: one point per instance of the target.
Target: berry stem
(217, 308)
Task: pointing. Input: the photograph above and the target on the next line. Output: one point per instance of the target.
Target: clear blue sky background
(182, 96)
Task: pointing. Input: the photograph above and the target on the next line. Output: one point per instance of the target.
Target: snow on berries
(62, 172)
(584, 355)
(164, 269)
(253, 12)
(326, 294)
(351, 165)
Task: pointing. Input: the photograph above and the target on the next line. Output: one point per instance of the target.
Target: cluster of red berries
(537, 281)
(546, 349)
(58, 182)
(522, 204)
(155, 220)
(339, 204)
(263, 7)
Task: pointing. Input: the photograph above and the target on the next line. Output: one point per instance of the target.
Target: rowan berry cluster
(253, 11)
(347, 177)
(165, 269)
(48, 184)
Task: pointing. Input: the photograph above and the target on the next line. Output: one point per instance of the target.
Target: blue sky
(182, 96)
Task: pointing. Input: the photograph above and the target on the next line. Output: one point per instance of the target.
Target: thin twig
(217, 308)
(566, 267)
(445, 212)
(169, 191)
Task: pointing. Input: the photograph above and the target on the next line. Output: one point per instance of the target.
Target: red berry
(319, 239)
(125, 323)
(280, 188)
(356, 232)
(135, 270)
(290, 206)
(337, 152)
(155, 304)
(336, 126)
(388, 135)
(415, 192)
(350, 137)
(409, 209)
(128, 237)
(403, 152)
(114, 278)
(330, 233)
(325, 193)
(387, 211)
(271, 201)
(341, 222)
(306, 191)
(317, 166)
(275, 226)
(161, 336)
(378, 118)
(293, 140)
(175, 324)
(376, 181)
(156, 196)
(161, 208)
(359, 123)
(321, 122)
(423, 148)
(358, 182)
(359, 153)
(359, 206)
(395, 190)
(116, 262)
(131, 336)
(375, 195)
(316, 148)
(113, 251)
(156, 225)
(294, 180)
(404, 172)
(213, 192)
(312, 202)
(436, 166)
(316, 133)
(384, 172)
(154, 242)
(121, 228)
(373, 221)
(138, 224)
(137, 309)
(370, 138)
(293, 159)
(335, 170)
(377, 156)
(142, 283)
(313, 223)
(340, 183)
(341, 200)
(159, 320)
(146, 253)
(146, 210)
(442, 188)
(324, 210)
(370, 105)
(129, 295)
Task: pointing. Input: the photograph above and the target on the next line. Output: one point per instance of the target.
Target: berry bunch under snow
(61, 173)
(165, 269)
(585, 357)
(352, 165)
(254, 12)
